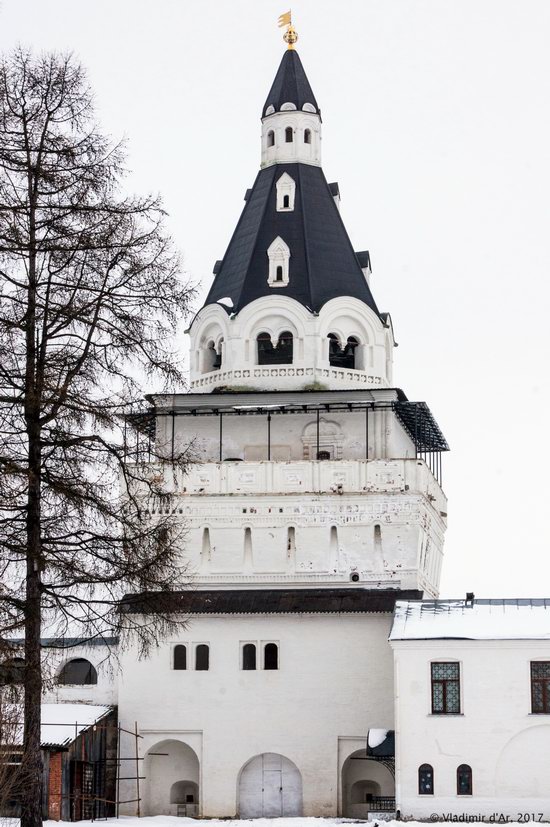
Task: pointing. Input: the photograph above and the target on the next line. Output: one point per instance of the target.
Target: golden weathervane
(290, 36)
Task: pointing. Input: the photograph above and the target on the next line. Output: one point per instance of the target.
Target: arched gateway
(171, 787)
(270, 786)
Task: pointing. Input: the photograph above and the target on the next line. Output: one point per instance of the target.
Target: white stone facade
(312, 711)
(380, 523)
(495, 732)
(291, 136)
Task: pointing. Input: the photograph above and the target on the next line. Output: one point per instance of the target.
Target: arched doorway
(367, 786)
(270, 786)
(171, 785)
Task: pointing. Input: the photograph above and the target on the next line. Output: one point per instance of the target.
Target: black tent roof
(290, 85)
(323, 264)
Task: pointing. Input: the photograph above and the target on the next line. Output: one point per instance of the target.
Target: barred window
(445, 688)
(464, 780)
(426, 779)
(540, 686)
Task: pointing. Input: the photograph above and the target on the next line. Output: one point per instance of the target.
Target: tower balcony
(286, 376)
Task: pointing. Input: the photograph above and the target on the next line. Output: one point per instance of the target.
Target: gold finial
(290, 36)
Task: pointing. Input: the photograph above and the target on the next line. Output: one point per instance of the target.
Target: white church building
(319, 674)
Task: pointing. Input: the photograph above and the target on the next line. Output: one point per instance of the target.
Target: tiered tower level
(312, 469)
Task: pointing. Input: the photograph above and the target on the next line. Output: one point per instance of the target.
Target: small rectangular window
(540, 686)
(445, 688)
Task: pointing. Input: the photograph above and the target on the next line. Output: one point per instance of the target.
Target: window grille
(464, 780)
(425, 780)
(445, 688)
(540, 686)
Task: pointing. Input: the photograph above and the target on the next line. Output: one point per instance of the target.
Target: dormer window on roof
(279, 260)
(286, 193)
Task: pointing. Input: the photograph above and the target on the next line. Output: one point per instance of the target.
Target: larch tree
(90, 300)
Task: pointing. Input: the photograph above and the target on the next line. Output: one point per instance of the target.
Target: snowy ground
(172, 821)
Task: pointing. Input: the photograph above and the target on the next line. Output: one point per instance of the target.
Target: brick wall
(55, 787)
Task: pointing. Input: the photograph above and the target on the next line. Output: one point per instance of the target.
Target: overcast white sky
(436, 124)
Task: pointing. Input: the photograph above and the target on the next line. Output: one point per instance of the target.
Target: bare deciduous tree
(90, 297)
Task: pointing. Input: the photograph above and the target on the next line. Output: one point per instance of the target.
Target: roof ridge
(306, 245)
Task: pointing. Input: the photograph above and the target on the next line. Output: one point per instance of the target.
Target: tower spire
(290, 36)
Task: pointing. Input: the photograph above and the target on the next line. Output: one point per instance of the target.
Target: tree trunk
(31, 815)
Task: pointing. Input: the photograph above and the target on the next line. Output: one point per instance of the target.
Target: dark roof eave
(340, 600)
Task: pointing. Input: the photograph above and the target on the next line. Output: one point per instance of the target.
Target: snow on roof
(522, 619)
(376, 737)
(61, 723)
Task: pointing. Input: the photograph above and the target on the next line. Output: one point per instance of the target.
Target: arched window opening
(285, 348)
(212, 357)
(425, 780)
(289, 135)
(271, 656)
(271, 138)
(279, 270)
(12, 671)
(249, 657)
(307, 136)
(78, 672)
(219, 356)
(464, 780)
(265, 349)
(342, 357)
(280, 355)
(323, 455)
(180, 656)
(202, 657)
(286, 194)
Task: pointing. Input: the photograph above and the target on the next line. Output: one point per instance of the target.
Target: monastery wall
(334, 682)
(507, 746)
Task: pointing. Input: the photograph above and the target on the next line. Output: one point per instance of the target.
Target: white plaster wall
(344, 316)
(297, 150)
(335, 680)
(104, 692)
(507, 747)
